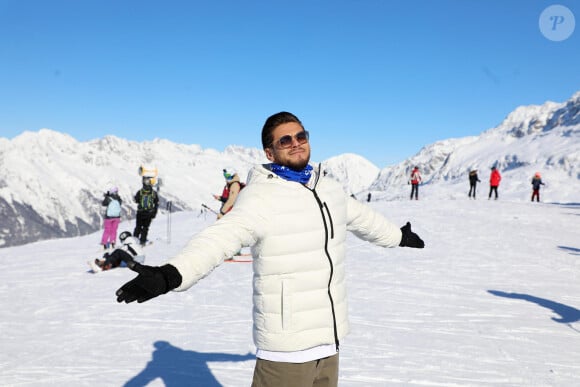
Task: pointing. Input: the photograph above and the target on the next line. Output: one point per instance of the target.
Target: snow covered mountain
(51, 185)
(531, 139)
(354, 172)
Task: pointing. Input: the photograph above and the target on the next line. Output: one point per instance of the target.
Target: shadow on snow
(571, 250)
(568, 314)
(177, 367)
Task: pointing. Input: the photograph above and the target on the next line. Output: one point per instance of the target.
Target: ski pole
(169, 207)
(211, 209)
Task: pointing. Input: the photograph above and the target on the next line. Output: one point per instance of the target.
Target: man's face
(295, 155)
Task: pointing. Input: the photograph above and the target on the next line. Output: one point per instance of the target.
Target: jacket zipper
(330, 219)
(323, 206)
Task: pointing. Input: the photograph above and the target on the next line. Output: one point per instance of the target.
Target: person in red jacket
(415, 180)
(494, 180)
(230, 192)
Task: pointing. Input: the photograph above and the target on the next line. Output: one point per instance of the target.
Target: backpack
(114, 209)
(147, 200)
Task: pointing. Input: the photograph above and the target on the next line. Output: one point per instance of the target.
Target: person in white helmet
(129, 251)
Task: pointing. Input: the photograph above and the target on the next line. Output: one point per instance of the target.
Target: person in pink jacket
(494, 180)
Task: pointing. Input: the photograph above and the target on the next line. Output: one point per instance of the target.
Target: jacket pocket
(286, 299)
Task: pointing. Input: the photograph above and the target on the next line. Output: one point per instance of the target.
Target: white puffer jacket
(298, 237)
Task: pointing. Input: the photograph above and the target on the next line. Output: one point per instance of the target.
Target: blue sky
(378, 78)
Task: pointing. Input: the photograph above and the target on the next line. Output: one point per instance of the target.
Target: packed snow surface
(493, 300)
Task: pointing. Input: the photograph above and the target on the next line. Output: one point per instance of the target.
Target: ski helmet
(124, 235)
(229, 173)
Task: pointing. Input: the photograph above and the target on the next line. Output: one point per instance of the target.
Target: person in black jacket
(128, 252)
(473, 180)
(536, 183)
(147, 204)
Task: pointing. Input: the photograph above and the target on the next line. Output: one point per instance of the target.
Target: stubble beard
(296, 165)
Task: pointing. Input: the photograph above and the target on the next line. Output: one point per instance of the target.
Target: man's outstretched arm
(151, 281)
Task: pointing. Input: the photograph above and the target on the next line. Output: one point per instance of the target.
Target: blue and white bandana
(302, 176)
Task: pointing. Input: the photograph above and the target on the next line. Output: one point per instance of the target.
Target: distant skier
(494, 180)
(230, 192)
(112, 217)
(415, 180)
(147, 204)
(536, 183)
(369, 197)
(473, 180)
(130, 251)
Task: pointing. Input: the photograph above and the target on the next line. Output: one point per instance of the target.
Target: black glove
(151, 282)
(410, 239)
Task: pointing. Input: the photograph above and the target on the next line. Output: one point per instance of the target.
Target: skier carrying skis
(112, 202)
(129, 251)
(415, 180)
(230, 192)
(536, 183)
(147, 204)
(296, 221)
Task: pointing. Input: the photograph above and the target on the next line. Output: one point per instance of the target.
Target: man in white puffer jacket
(296, 220)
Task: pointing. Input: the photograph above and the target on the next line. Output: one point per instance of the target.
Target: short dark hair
(273, 122)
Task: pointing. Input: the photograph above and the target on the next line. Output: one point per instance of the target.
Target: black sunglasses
(286, 141)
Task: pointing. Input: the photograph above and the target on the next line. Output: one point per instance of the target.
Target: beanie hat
(114, 190)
